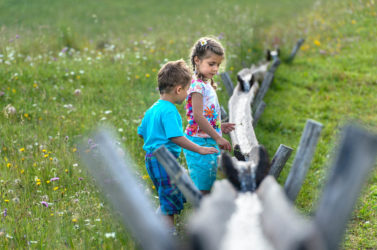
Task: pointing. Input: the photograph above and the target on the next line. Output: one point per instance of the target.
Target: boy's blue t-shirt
(161, 122)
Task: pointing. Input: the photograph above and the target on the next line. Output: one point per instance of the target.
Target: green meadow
(67, 67)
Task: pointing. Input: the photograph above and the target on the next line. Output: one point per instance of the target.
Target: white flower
(110, 235)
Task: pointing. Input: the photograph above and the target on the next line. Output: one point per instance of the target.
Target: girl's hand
(226, 127)
(207, 150)
(224, 144)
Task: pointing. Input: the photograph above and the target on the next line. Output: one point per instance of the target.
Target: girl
(203, 113)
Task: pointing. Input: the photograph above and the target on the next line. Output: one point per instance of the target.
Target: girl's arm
(197, 109)
(189, 145)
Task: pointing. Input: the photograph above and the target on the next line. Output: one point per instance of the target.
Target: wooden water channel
(248, 209)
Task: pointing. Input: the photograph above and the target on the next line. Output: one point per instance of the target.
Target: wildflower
(22, 149)
(16, 200)
(38, 183)
(6, 200)
(35, 85)
(10, 110)
(74, 220)
(317, 43)
(74, 150)
(44, 150)
(75, 164)
(145, 177)
(203, 42)
(54, 179)
(45, 156)
(80, 178)
(66, 170)
(154, 70)
(5, 212)
(34, 164)
(147, 75)
(9, 165)
(56, 188)
(231, 68)
(22, 171)
(44, 203)
(26, 115)
(110, 235)
(137, 77)
(353, 21)
(48, 182)
(77, 92)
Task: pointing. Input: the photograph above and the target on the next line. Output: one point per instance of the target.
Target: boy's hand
(207, 150)
(224, 144)
(226, 127)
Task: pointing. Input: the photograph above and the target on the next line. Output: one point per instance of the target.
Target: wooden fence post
(178, 176)
(258, 112)
(280, 158)
(111, 170)
(285, 228)
(227, 82)
(355, 158)
(302, 159)
(295, 49)
(266, 83)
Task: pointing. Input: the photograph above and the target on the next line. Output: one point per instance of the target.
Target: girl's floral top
(211, 108)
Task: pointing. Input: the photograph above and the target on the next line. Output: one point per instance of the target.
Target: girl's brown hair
(201, 49)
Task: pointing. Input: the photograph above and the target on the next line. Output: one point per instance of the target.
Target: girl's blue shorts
(171, 199)
(202, 168)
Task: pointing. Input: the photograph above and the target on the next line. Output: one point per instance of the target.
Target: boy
(162, 125)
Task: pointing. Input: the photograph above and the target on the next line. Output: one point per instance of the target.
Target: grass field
(111, 52)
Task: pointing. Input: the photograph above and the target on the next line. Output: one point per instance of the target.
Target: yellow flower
(14, 91)
(51, 214)
(231, 68)
(35, 85)
(9, 165)
(22, 159)
(56, 188)
(78, 77)
(147, 75)
(154, 70)
(66, 170)
(171, 42)
(48, 181)
(137, 77)
(74, 220)
(74, 149)
(151, 50)
(145, 177)
(353, 21)
(38, 183)
(249, 50)
(316, 42)
(6, 200)
(26, 115)
(45, 156)
(38, 180)
(51, 159)
(22, 149)
(34, 164)
(22, 171)
(44, 150)
(153, 187)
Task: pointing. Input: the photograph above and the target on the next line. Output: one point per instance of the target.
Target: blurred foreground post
(110, 166)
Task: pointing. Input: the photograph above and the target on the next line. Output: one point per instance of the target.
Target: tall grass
(67, 67)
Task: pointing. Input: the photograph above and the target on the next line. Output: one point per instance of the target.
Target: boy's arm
(189, 145)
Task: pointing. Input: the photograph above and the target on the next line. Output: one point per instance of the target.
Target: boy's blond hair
(173, 74)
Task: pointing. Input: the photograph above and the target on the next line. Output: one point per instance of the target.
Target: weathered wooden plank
(178, 175)
(266, 83)
(224, 114)
(355, 158)
(284, 227)
(227, 82)
(110, 166)
(258, 112)
(280, 158)
(240, 114)
(302, 159)
(208, 224)
(295, 49)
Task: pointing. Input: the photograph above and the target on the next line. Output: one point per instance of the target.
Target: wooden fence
(248, 209)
